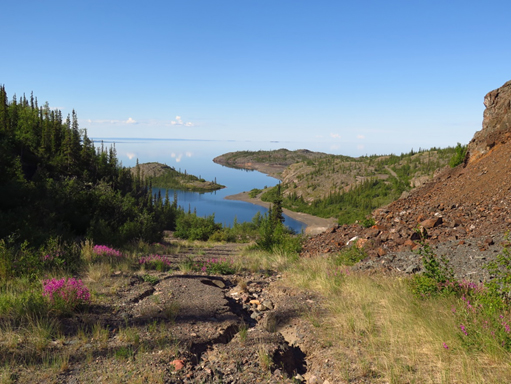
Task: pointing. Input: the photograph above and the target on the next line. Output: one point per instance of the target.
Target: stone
(268, 304)
(409, 243)
(269, 322)
(256, 315)
(372, 232)
(178, 364)
(219, 283)
(361, 243)
(412, 268)
(431, 223)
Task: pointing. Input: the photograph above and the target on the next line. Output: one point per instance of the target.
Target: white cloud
(360, 147)
(113, 122)
(361, 137)
(335, 135)
(189, 154)
(179, 121)
(131, 155)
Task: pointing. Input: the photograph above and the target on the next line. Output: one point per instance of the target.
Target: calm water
(196, 157)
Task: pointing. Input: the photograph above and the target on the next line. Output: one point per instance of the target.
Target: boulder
(496, 123)
(431, 223)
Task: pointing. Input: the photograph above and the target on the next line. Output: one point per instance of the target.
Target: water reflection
(196, 157)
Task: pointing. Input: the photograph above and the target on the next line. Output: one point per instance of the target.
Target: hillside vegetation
(164, 176)
(56, 186)
(338, 186)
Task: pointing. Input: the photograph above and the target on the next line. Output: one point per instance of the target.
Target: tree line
(54, 182)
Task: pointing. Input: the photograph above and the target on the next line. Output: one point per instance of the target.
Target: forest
(55, 183)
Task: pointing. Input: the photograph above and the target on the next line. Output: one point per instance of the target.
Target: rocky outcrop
(496, 123)
(463, 212)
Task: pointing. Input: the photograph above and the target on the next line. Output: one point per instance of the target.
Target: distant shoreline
(314, 224)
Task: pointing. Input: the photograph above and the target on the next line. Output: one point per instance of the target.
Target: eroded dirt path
(192, 328)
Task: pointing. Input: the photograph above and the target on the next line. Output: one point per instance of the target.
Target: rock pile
(469, 204)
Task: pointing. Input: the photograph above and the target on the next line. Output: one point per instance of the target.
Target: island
(164, 176)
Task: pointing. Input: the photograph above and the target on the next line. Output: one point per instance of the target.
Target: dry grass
(377, 330)
(261, 261)
(265, 360)
(401, 338)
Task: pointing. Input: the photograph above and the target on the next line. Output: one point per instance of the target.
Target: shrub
(350, 256)
(459, 155)
(150, 279)
(438, 276)
(254, 192)
(65, 295)
(157, 262)
(368, 222)
(214, 266)
(500, 271)
(192, 227)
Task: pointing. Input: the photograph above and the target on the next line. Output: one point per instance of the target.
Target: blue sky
(350, 78)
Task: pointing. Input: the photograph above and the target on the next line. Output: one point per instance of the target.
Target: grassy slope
(374, 329)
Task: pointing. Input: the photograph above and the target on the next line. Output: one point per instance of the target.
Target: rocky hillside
(163, 176)
(344, 188)
(464, 211)
(317, 179)
(272, 163)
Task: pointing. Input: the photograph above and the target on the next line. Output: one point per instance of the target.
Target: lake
(196, 157)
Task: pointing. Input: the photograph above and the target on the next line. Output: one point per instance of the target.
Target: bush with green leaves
(21, 299)
(23, 260)
(158, 262)
(254, 192)
(192, 227)
(436, 276)
(459, 155)
(350, 256)
(500, 273)
(481, 310)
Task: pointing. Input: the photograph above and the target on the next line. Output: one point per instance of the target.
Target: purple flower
(446, 346)
(103, 250)
(68, 293)
(463, 329)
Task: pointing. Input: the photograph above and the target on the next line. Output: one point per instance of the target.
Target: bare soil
(184, 328)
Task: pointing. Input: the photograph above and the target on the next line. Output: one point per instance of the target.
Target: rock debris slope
(465, 211)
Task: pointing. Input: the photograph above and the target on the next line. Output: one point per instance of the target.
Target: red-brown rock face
(496, 123)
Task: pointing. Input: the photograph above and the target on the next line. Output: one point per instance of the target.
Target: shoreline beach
(314, 224)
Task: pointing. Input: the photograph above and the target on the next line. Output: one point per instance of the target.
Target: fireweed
(104, 251)
(479, 324)
(158, 262)
(215, 266)
(65, 295)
